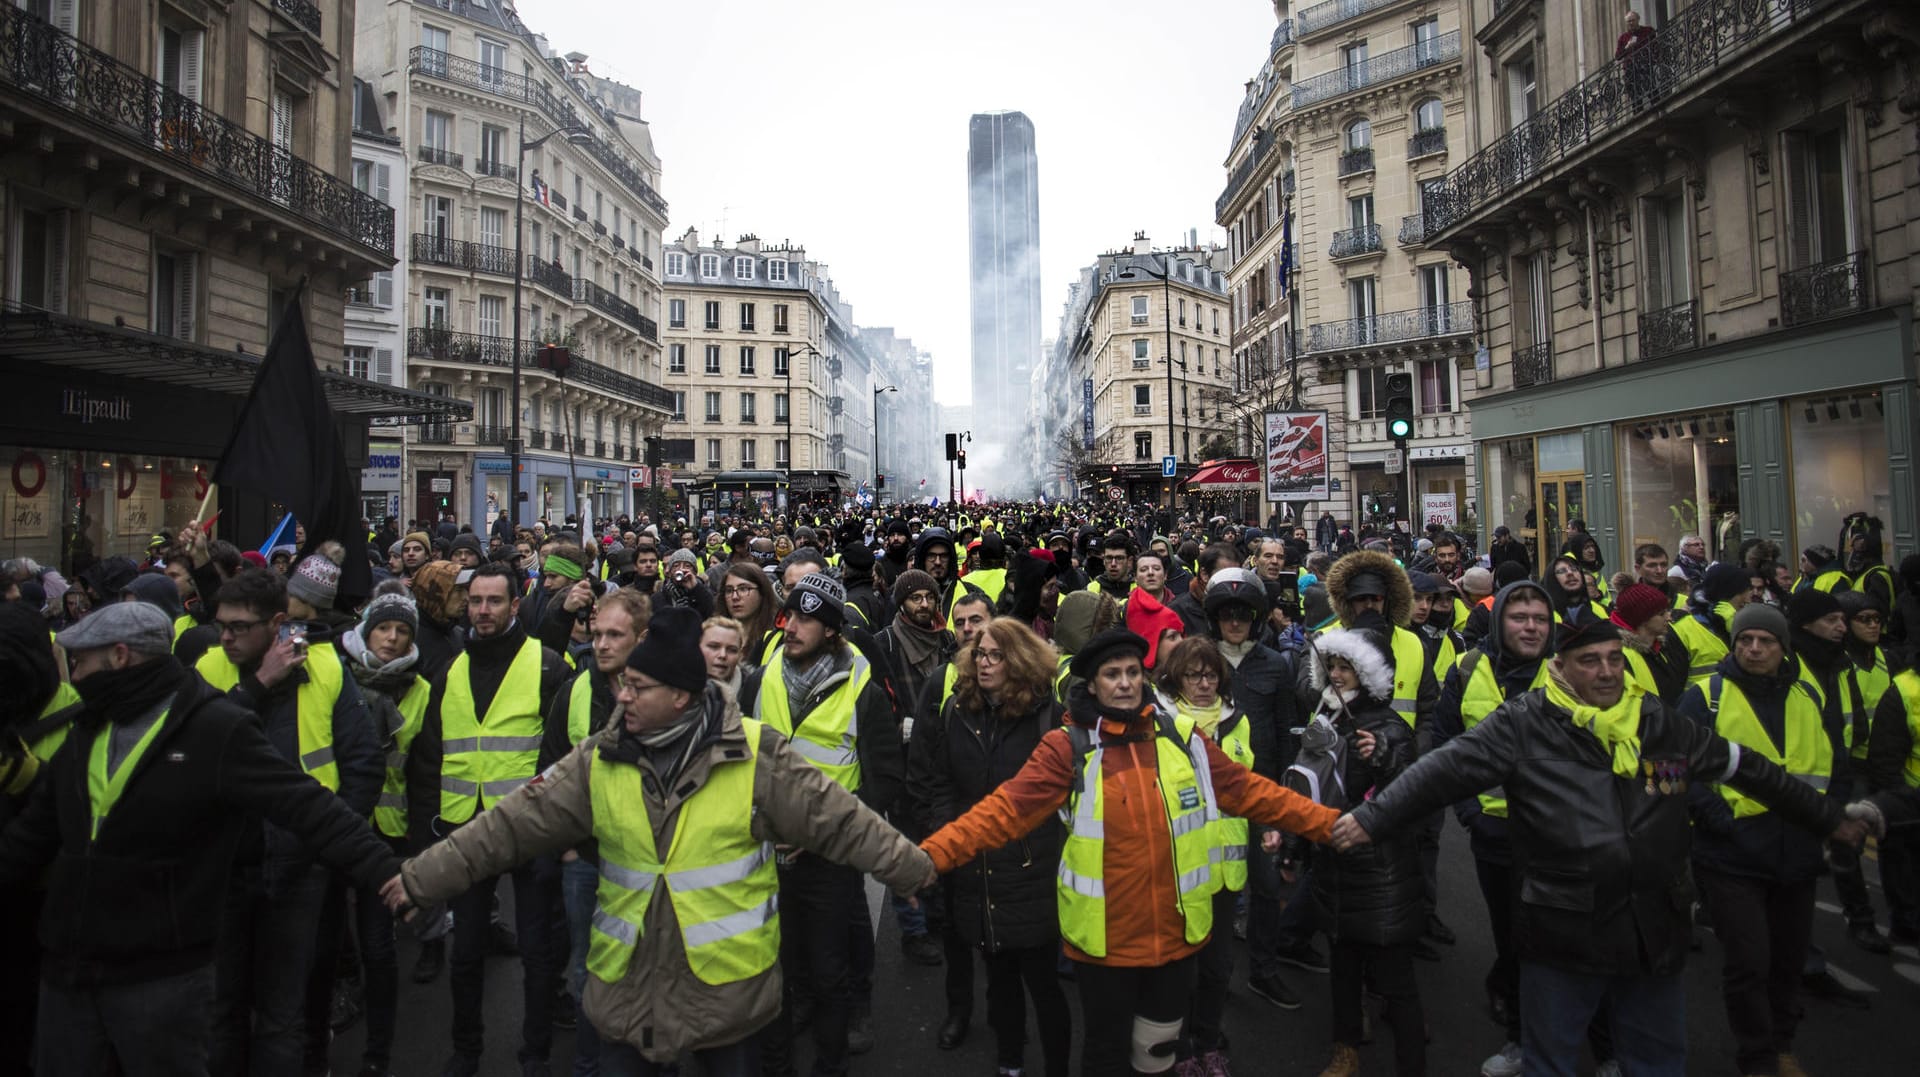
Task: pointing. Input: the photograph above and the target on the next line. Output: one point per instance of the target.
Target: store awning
(37, 336)
(1228, 477)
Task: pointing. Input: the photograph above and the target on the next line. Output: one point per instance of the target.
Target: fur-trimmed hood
(1363, 651)
(1399, 588)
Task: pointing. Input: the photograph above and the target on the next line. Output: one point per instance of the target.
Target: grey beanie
(390, 607)
(316, 581)
(1762, 617)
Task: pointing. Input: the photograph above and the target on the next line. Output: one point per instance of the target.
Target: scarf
(1234, 653)
(1207, 718)
(1617, 728)
(122, 695)
(668, 749)
(922, 647)
(802, 680)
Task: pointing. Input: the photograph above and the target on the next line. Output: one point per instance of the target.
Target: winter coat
(883, 759)
(1261, 687)
(1600, 863)
(1004, 898)
(143, 900)
(660, 1007)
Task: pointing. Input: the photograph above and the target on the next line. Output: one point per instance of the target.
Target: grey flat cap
(142, 626)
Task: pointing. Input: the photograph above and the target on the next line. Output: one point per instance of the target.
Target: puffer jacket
(1600, 861)
(1004, 898)
(660, 1007)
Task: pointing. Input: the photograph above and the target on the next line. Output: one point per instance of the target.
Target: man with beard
(1116, 567)
(416, 549)
(933, 554)
(896, 554)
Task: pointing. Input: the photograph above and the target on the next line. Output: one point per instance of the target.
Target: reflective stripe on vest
(1870, 684)
(1481, 696)
(390, 812)
(829, 735)
(1908, 682)
(1409, 663)
(722, 883)
(484, 760)
(314, 701)
(1234, 736)
(1808, 756)
(1180, 756)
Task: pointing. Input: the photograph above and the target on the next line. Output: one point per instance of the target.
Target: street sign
(440, 486)
(1393, 462)
(1169, 464)
(1114, 493)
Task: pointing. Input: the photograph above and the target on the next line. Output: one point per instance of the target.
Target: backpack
(1322, 764)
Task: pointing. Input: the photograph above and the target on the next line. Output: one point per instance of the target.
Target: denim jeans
(815, 910)
(734, 1060)
(535, 889)
(579, 879)
(155, 1028)
(912, 919)
(1647, 1017)
(260, 972)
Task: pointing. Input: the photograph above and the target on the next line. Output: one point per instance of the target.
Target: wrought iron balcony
(1533, 365)
(837, 443)
(1320, 16)
(1413, 230)
(1354, 242)
(1286, 182)
(1670, 329)
(467, 72)
(836, 405)
(549, 275)
(599, 229)
(1356, 161)
(579, 214)
(304, 14)
(1282, 36)
(459, 254)
(559, 200)
(1827, 290)
(536, 439)
(1262, 143)
(436, 434)
(114, 101)
(585, 291)
(1375, 70)
(1705, 36)
(435, 155)
(619, 243)
(1427, 143)
(600, 449)
(474, 349)
(491, 435)
(498, 169)
(1421, 323)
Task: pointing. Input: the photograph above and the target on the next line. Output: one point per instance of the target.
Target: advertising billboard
(1297, 457)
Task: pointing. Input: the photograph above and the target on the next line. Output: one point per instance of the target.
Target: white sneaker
(1505, 1063)
(1608, 1068)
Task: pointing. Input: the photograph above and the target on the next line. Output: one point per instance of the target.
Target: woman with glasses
(746, 595)
(1002, 903)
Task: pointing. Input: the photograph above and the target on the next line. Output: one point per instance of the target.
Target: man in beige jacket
(684, 945)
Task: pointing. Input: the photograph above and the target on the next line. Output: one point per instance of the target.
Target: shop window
(1678, 475)
(106, 503)
(1840, 463)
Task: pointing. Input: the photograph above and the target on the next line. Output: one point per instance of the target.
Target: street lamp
(876, 438)
(577, 136)
(1165, 277)
(805, 349)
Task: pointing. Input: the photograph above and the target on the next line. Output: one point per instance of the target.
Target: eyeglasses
(988, 658)
(741, 591)
(1201, 675)
(236, 628)
(1866, 619)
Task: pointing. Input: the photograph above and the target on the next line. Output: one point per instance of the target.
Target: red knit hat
(1147, 618)
(1639, 602)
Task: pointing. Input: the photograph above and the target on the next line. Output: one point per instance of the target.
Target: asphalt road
(1267, 1041)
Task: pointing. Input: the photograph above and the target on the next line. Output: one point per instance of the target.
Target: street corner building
(170, 185)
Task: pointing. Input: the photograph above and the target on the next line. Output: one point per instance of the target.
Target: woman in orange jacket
(1141, 788)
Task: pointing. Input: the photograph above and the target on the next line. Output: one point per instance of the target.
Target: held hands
(394, 893)
(1867, 813)
(1270, 842)
(1348, 833)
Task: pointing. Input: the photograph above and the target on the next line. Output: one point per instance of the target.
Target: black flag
(285, 447)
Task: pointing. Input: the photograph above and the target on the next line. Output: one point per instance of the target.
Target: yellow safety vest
(1061, 676)
(722, 882)
(991, 581)
(314, 702)
(1481, 696)
(1409, 664)
(1186, 786)
(104, 789)
(1869, 685)
(484, 760)
(1705, 648)
(1885, 573)
(1808, 755)
(64, 695)
(181, 624)
(1908, 682)
(829, 736)
(580, 706)
(390, 812)
(1230, 831)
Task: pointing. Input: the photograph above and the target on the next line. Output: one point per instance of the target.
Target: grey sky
(842, 124)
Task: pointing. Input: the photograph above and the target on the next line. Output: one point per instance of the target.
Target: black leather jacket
(1600, 863)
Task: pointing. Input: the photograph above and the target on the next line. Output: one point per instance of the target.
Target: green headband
(560, 566)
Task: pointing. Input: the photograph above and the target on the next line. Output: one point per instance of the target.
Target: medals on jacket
(1664, 777)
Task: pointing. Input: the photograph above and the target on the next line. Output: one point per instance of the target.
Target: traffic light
(1399, 408)
(960, 458)
(879, 482)
(653, 452)
(953, 446)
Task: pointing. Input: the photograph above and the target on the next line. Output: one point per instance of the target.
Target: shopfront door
(1562, 498)
(432, 495)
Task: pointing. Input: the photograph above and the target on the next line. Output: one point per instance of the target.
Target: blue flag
(1286, 253)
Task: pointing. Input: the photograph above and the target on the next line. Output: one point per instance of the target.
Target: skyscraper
(1003, 218)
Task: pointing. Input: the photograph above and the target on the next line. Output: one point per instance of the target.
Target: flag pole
(205, 502)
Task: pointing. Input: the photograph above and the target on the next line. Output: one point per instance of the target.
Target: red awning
(1232, 476)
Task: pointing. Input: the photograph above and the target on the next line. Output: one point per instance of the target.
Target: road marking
(1825, 906)
(1911, 972)
(1908, 951)
(1849, 980)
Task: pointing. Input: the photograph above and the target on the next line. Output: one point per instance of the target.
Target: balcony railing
(459, 254)
(304, 14)
(1413, 230)
(1243, 172)
(1356, 161)
(1286, 182)
(1533, 365)
(1282, 36)
(1702, 38)
(585, 291)
(1320, 16)
(1398, 326)
(467, 72)
(49, 66)
(435, 155)
(491, 435)
(1427, 143)
(436, 434)
(473, 349)
(1375, 70)
(579, 214)
(1827, 290)
(536, 439)
(498, 169)
(549, 275)
(1353, 242)
(1670, 329)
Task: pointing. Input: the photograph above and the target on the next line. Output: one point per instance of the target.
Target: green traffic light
(1400, 428)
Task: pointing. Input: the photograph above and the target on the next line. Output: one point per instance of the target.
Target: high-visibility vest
(580, 706)
(313, 705)
(722, 882)
(1869, 685)
(1235, 738)
(990, 581)
(181, 624)
(1827, 579)
(1185, 781)
(1908, 682)
(1704, 646)
(1808, 755)
(484, 760)
(829, 736)
(1409, 665)
(1882, 571)
(390, 812)
(1445, 657)
(1480, 696)
(1060, 677)
(43, 746)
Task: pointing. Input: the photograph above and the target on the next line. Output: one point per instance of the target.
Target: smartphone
(295, 631)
